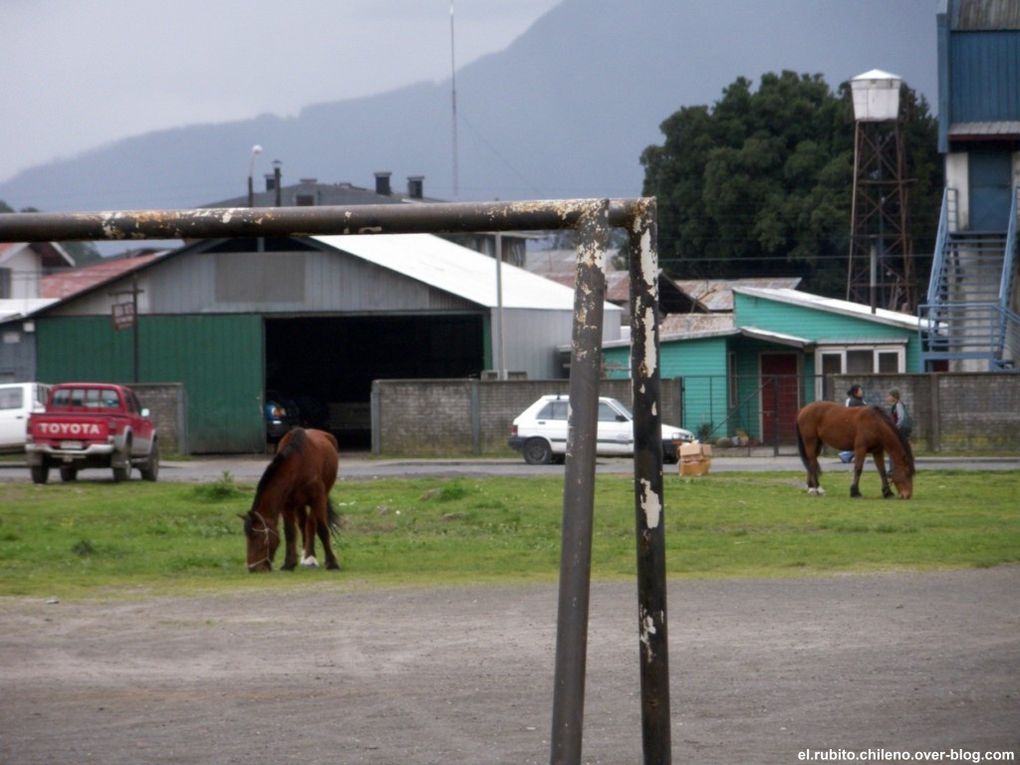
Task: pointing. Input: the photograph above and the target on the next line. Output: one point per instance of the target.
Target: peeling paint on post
(449, 217)
(579, 487)
(648, 493)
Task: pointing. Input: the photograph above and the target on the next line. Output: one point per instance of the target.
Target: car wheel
(537, 451)
(68, 474)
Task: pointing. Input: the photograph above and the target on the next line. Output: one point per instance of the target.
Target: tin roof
(455, 269)
(832, 305)
(72, 281)
(985, 15)
(986, 130)
(717, 294)
(14, 308)
(682, 324)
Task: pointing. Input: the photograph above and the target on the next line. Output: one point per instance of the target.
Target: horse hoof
(333, 566)
(821, 491)
(813, 491)
(310, 562)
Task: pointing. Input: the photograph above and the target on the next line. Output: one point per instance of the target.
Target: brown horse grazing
(295, 485)
(862, 429)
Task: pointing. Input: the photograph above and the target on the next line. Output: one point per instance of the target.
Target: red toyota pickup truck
(92, 425)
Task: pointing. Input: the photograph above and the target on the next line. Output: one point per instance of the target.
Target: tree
(760, 184)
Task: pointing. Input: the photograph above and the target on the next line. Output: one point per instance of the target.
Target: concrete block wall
(460, 417)
(168, 407)
(952, 411)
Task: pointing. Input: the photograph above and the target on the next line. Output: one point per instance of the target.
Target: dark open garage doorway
(324, 366)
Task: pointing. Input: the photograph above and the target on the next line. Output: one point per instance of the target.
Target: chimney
(416, 186)
(277, 186)
(382, 183)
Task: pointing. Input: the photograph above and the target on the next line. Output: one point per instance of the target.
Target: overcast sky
(80, 73)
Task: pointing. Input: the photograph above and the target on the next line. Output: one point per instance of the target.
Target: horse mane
(908, 453)
(295, 444)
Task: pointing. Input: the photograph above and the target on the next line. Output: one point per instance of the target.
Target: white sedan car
(540, 432)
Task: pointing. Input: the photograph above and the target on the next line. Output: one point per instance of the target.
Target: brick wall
(451, 417)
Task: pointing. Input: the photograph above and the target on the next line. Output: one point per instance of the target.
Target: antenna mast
(453, 95)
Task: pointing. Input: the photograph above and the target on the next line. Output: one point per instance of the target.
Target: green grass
(102, 539)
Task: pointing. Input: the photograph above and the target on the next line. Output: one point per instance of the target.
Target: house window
(856, 360)
(5, 283)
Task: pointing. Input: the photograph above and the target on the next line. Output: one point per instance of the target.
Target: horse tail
(332, 517)
(800, 445)
(802, 450)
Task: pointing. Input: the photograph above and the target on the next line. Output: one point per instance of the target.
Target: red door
(780, 397)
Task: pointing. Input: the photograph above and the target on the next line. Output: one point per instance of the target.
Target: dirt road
(341, 673)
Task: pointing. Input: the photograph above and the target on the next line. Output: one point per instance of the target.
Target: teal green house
(746, 373)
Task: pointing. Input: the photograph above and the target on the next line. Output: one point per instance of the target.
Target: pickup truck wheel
(124, 473)
(150, 468)
(537, 451)
(40, 473)
(68, 474)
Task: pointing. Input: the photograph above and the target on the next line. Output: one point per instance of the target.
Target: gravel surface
(339, 672)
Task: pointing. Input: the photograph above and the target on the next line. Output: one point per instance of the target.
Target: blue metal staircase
(970, 316)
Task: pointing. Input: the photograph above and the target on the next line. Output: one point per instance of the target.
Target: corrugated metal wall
(984, 69)
(219, 359)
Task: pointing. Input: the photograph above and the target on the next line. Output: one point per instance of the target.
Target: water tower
(881, 269)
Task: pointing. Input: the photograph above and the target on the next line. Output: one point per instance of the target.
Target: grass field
(103, 539)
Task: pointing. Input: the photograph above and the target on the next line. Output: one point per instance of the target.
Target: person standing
(854, 397)
(898, 412)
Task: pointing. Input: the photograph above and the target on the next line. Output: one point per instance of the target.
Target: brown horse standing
(862, 429)
(295, 485)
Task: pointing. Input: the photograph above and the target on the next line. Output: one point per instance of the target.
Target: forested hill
(564, 111)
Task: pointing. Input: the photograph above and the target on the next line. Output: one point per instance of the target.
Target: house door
(990, 177)
(780, 398)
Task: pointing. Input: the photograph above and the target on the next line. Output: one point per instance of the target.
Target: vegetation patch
(97, 539)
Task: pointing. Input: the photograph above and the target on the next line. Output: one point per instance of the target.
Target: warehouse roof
(455, 269)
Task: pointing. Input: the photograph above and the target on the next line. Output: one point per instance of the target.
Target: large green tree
(760, 184)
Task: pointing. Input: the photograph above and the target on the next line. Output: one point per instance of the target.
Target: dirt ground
(341, 673)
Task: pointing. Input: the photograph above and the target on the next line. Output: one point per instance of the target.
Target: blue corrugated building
(972, 303)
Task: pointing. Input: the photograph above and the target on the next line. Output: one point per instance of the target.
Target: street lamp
(255, 151)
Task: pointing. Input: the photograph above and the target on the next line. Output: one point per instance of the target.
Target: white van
(17, 401)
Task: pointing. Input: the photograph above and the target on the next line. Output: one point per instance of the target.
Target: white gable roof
(455, 269)
(832, 305)
(15, 308)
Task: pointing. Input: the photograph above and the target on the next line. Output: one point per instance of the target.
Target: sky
(81, 73)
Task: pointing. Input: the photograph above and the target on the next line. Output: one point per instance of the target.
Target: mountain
(564, 111)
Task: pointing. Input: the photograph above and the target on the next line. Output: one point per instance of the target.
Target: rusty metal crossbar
(592, 219)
